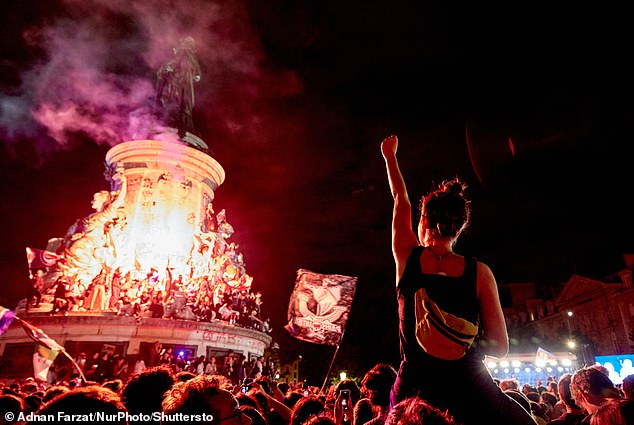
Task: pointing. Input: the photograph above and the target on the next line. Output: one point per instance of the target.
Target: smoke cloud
(95, 74)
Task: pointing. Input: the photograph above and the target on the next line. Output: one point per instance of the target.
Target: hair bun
(454, 187)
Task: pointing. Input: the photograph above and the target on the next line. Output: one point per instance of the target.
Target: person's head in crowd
(8, 390)
(355, 391)
(184, 375)
(265, 383)
(246, 400)
(552, 388)
(29, 388)
(526, 388)
(604, 370)
(628, 386)
(33, 403)
(320, 420)
(203, 395)
(252, 412)
(54, 391)
(509, 384)
(538, 410)
(590, 387)
(416, 411)
(307, 406)
(283, 387)
(377, 383)
(565, 395)
(84, 401)
(614, 412)
(363, 411)
(10, 403)
(533, 396)
(292, 397)
(224, 382)
(115, 385)
(548, 398)
(143, 393)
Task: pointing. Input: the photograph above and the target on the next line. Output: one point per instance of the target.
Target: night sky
(530, 104)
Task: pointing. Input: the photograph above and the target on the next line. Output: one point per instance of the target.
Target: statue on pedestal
(175, 97)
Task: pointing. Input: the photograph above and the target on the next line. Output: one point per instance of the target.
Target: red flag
(40, 258)
(319, 306)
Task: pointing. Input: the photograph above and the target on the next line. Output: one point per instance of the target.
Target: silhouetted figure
(37, 285)
(144, 392)
(60, 301)
(175, 97)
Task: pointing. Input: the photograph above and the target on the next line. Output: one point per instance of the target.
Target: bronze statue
(175, 87)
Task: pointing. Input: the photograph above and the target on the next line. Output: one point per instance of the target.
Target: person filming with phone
(348, 393)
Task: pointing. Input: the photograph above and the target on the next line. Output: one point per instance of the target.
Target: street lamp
(343, 376)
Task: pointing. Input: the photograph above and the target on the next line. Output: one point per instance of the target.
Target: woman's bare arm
(403, 237)
(492, 318)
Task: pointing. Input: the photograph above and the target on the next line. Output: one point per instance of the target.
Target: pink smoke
(97, 78)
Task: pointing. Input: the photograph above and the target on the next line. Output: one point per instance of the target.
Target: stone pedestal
(170, 188)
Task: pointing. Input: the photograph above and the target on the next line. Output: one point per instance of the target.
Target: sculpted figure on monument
(88, 245)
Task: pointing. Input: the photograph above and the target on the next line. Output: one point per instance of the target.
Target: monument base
(132, 337)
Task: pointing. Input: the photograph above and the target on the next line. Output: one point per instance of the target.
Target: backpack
(439, 333)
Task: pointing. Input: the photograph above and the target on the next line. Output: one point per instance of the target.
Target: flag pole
(332, 362)
(81, 373)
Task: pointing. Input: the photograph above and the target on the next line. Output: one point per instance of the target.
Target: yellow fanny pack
(439, 333)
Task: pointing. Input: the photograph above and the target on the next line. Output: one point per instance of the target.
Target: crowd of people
(102, 366)
(140, 298)
(165, 394)
(449, 318)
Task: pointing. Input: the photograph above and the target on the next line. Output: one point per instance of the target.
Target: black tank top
(456, 295)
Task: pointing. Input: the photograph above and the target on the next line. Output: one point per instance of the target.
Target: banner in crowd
(46, 351)
(43, 358)
(6, 318)
(40, 258)
(319, 306)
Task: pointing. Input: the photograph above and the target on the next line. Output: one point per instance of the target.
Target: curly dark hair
(191, 396)
(305, 408)
(591, 381)
(379, 380)
(446, 208)
(416, 411)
